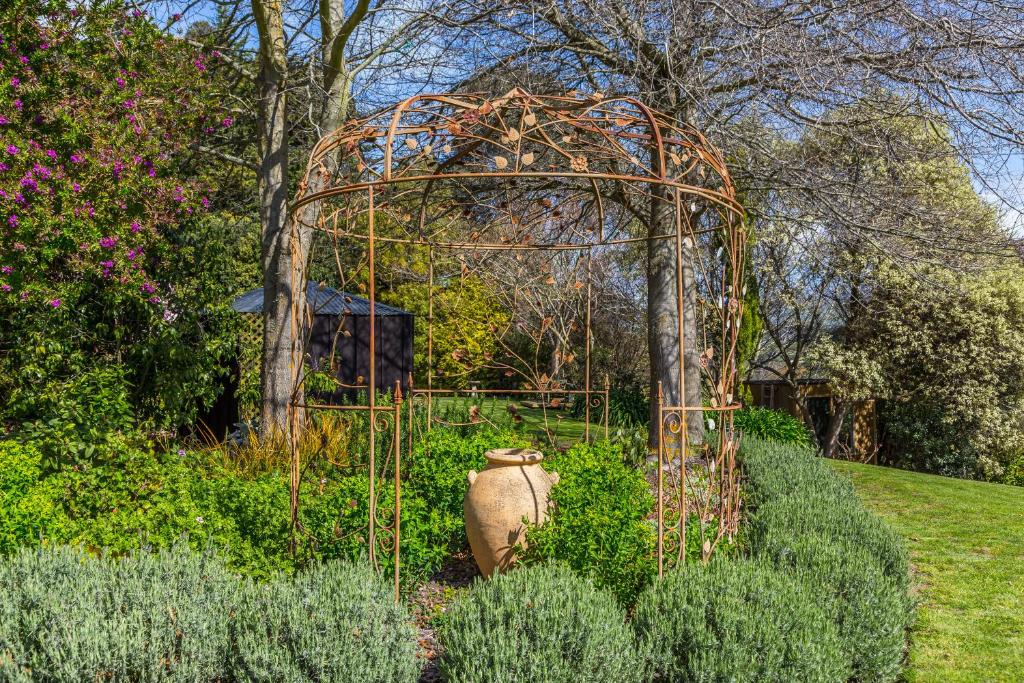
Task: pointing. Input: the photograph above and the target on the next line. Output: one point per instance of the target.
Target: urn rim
(513, 456)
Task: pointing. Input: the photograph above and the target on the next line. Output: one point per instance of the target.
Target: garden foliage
(599, 524)
(539, 623)
(771, 425)
(808, 522)
(181, 616)
(113, 285)
(737, 620)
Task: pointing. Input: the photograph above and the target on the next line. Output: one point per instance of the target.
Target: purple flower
(147, 287)
(5, 287)
(77, 158)
(6, 270)
(23, 59)
(132, 253)
(120, 83)
(4, 120)
(181, 452)
(55, 303)
(227, 122)
(12, 221)
(153, 299)
(29, 183)
(4, 167)
(17, 104)
(200, 67)
(43, 172)
(52, 154)
(11, 149)
(76, 187)
(206, 202)
(178, 194)
(136, 227)
(108, 242)
(15, 82)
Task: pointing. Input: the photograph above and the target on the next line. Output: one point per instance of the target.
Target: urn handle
(553, 476)
(471, 476)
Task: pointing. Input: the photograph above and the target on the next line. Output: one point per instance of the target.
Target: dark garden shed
(340, 337)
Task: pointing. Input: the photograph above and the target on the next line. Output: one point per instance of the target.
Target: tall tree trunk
(663, 319)
(278, 369)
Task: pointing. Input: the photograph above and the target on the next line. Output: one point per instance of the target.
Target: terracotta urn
(512, 487)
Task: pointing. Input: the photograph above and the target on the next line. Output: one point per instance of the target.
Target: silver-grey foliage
(540, 624)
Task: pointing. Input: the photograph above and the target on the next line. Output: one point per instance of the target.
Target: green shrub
(540, 623)
(871, 611)
(70, 617)
(437, 477)
(335, 622)
(178, 615)
(735, 620)
(27, 510)
(772, 425)
(599, 524)
(806, 519)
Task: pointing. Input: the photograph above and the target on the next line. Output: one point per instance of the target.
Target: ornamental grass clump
(334, 622)
(734, 620)
(538, 623)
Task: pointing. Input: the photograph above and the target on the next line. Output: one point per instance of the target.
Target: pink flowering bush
(107, 254)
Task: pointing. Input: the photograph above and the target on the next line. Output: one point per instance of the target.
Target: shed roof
(322, 301)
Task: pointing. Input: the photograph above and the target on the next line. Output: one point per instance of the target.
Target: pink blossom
(108, 242)
(55, 303)
(18, 104)
(17, 246)
(6, 270)
(15, 82)
(52, 154)
(227, 122)
(11, 149)
(5, 287)
(4, 120)
(77, 158)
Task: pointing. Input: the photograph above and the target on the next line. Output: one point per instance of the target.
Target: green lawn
(566, 429)
(967, 547)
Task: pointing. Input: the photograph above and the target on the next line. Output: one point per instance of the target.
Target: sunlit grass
(967, 547)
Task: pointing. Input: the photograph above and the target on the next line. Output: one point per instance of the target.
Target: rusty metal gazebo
(525, 176)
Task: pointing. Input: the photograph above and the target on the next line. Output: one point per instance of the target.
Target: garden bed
(814, 589)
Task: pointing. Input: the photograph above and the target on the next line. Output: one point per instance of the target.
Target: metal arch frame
(472, 122)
